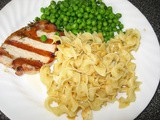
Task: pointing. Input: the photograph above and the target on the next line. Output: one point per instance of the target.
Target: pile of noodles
(89, 73)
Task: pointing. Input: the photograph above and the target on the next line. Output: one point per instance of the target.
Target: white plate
(21, 98)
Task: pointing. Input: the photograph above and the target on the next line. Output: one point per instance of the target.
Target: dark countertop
(151, 9)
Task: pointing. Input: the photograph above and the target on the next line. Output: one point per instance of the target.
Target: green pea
(99, 1)
(57, 33)
(110, 21)
(99, 27)
(70, 9)
(118, 23)
(42, 10)
(53, 20)
(85, 15)
(111, 34)
(99, 31)
(64, 23)
(93, 22)
(72, 14)
(59, 2)
(104, 33)
(71, 19)
(88, 30)
(75, 8)
(105, 28)
(57, 23)
(68, 13)
(37, 19)
(81, 10)
(121, 26)
(61, 6)
(79, 20)
(114, 29)
(89, 22)
(109, 8)
(57, 16)
(52, 6)
(106, 39)
(93, 1)
(92, 11)
(79, 15)
(83, 6)
(83, 24)
(53, 11)
(65, 10)
(68, 27)
(102, 5)
(91, 16)
(88, 9)
(43, 16)
(111, 16)
(43, 38)
(80, 26)
(109, 29)
(89, 27)
(94, 5)
(75, 26)
(53, 2)
(74, 31)
(65, 18)
(47, 11)
(65, 4)
(99, 17)
(102, 11)
(105, 24)
(96, 13)
(94, 29)
(118, 15)
(115, 21)
(100, 23)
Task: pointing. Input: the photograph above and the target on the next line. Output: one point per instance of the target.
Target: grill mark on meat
(22, 65)
(21, 53)
(20, 61)
(28, 48)
(5, 53)
(36, 44)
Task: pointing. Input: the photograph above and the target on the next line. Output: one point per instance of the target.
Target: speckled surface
(151, 9)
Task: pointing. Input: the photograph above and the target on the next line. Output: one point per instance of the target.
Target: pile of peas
(83, 16)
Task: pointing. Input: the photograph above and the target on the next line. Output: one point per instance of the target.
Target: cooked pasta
(89, 73)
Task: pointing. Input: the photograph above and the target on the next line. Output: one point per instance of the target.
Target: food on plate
(93, 61)
(90, 73)
(27, 49)
(83, 16)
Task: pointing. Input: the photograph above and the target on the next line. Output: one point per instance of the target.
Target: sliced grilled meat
(25, 52)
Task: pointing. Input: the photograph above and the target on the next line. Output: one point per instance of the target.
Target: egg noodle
(89, 73)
